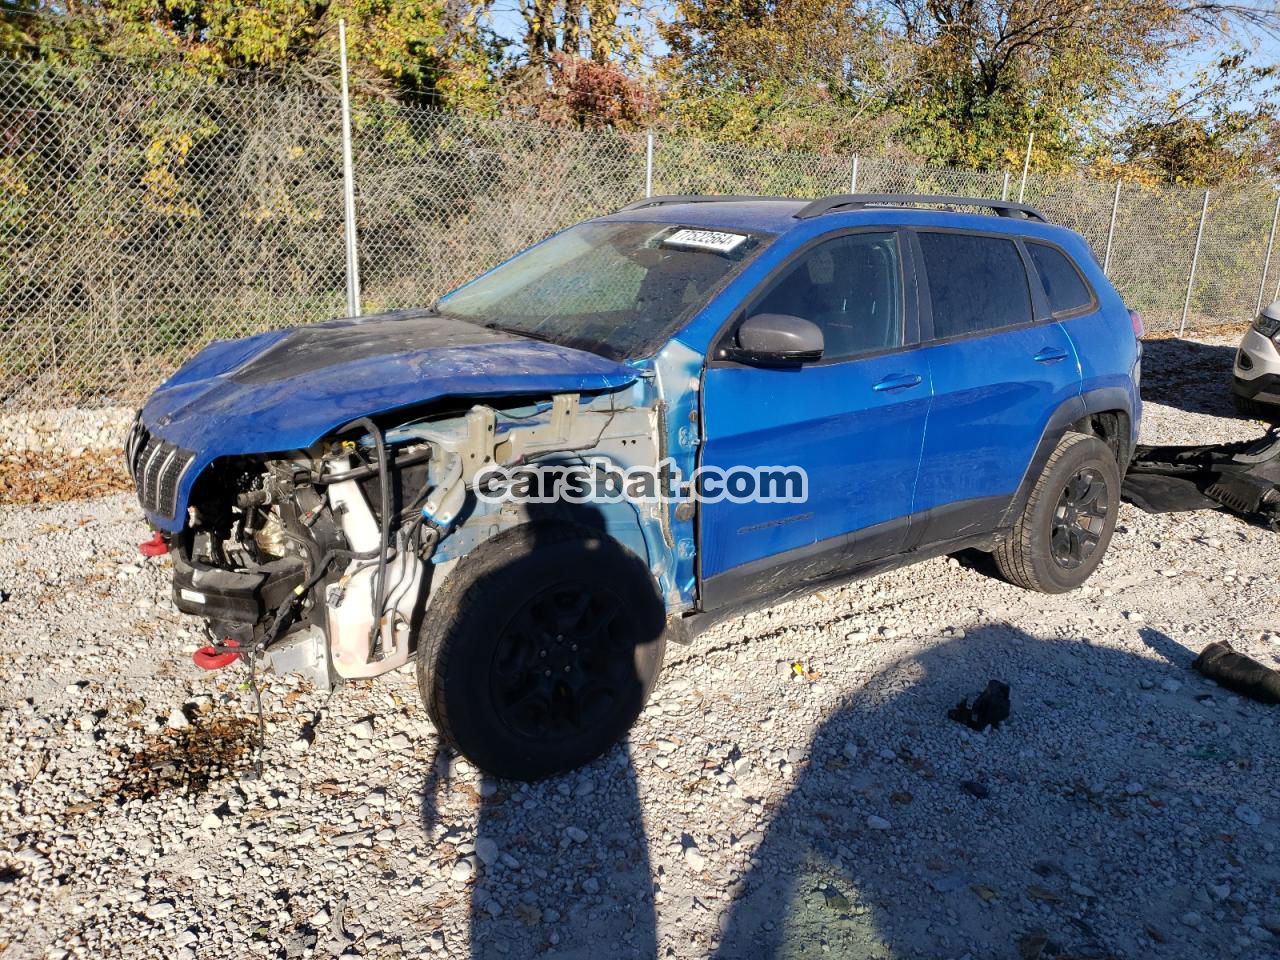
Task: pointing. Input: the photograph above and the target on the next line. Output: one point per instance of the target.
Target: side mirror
(776, 340)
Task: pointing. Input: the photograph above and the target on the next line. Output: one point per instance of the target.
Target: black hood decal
(311, 348)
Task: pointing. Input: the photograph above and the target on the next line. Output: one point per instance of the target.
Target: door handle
(1050, 355)
(899, 381)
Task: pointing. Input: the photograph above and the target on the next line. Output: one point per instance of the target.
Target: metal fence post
(648, 164)
(1026, 165)
(1004, 192)
(853, 177)
(348, 184)
(1266, 264)
(1111, 231)
(1195, 258)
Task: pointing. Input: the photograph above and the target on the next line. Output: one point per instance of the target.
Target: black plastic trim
(862, 201)
(775, 574)
(1263, 383)
(741, 591)
(675, 198)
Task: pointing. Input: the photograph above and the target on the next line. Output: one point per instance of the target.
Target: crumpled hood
(286, 389)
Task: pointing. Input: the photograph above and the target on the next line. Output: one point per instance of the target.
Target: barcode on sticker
(704, 240)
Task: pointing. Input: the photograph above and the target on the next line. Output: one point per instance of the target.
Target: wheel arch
(1103, 413)
(624, 522)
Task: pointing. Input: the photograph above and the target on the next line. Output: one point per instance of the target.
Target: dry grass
(52, 478)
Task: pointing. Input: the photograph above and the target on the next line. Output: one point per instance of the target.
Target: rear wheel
(1068, 520)
(540, 650)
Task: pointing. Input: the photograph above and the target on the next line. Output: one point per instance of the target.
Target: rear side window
(1063, 284)
(976, 283)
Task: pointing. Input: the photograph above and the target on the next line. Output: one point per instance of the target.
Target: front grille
(157, 468)
(134, 445)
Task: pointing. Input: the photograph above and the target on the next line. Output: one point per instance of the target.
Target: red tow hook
(155, 547)
(208, 658)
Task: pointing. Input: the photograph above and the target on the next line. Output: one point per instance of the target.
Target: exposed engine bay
(324, 560)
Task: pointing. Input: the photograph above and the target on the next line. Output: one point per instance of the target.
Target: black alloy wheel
(562, 663)
(1079, 519)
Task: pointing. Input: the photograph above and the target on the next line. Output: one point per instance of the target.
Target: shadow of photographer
(1086, 826)
(560, 866)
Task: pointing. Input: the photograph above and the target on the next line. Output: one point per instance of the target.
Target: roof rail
(694, 198)
(861, 201)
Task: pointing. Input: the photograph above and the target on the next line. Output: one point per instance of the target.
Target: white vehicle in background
(1256, 383)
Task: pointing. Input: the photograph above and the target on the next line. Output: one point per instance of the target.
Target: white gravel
(67, 431)
(1127, 808)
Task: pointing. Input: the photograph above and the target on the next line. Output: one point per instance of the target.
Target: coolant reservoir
(349, 602)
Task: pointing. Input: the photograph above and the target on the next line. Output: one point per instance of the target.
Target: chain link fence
(143, 215)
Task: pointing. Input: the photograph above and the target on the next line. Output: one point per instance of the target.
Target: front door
(854, 421)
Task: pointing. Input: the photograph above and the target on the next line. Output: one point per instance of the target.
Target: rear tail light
(1136, 321)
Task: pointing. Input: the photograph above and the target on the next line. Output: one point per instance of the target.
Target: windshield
(617, 289)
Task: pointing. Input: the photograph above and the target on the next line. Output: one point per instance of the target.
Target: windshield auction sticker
(705, 240)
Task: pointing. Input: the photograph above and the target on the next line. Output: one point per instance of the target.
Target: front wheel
(540, 650)
(1067, 523)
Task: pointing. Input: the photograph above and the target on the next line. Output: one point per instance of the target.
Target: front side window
(851, 287)
(976, 284)
(616, 289)
(1062, 282)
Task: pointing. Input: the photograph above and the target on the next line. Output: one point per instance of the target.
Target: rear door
(854, 422)
(1103, 336)
(1000, 366)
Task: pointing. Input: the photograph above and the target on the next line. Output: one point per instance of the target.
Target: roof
(756, 214)
(778, 215)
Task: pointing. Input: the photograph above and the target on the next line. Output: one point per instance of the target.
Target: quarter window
(849, 286)
(976, 283)
(1063, 284)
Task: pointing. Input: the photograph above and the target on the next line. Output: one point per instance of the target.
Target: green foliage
(1221, 128)
(413, 51)
(955, 82)
(964, 82)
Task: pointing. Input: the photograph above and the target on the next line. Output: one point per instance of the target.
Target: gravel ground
(1128, 808)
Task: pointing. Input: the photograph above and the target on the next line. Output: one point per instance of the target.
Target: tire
(1046, 552)
(540, 650)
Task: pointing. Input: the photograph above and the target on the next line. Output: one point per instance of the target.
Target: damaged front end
(324, 560)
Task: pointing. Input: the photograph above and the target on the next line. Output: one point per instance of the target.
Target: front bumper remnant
(1242, 477)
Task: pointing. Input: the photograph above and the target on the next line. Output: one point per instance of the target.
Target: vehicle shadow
(1190, 376)
(547, 893)
(1069, 831)
(559, 867)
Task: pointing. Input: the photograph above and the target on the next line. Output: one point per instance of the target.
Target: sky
(506, 22)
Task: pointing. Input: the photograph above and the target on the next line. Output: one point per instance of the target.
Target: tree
(571, 66)
(424, 52)
(575, 28)
(1220, 127)
(809, 74)
(961, 82)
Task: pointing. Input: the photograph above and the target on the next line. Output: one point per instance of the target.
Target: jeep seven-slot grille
(156, 467)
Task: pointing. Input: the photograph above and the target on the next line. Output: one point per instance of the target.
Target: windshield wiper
(494, 325)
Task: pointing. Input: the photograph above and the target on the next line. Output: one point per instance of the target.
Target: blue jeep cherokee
(944, 379)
